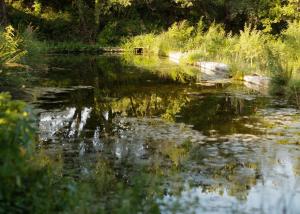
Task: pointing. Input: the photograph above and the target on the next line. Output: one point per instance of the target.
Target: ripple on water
(230, 150)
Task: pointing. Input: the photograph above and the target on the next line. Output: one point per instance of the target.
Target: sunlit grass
(250, 52)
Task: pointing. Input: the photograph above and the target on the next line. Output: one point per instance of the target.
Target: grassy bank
(249, 52)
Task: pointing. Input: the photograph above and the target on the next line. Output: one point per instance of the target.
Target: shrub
(176, 38)
(291, 41)
(27, 182)
(213, 40)
(250, 45)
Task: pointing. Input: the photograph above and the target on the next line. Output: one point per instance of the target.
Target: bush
(250, 46)
(117, 30)
(213, 41)
(176, 38)
(27, 182)
(291, 41)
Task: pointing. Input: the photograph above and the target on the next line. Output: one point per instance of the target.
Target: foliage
(33, 183)
(147, 41)
(19, 46)
(27, 183)
(15, 118)
(87, 20)
(252, 51)
(71, 47)
(104, 7)
(11, 43)
(176, 37)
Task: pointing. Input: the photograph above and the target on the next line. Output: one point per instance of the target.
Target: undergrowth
(249, 52)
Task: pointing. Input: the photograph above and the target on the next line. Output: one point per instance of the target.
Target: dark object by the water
(139, 51)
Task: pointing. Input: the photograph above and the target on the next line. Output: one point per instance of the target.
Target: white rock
(213, 68)
(211, 71)
(176, 56)
(258, 80)
(208, 70)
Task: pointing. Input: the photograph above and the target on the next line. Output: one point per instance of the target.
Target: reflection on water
(263, 179)
(219, 150)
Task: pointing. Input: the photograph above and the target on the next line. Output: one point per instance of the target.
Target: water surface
(219, 149)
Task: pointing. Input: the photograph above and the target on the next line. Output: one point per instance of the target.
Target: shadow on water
(218, 149)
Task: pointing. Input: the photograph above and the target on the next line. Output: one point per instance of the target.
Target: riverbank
(251, 52)
(79, 48)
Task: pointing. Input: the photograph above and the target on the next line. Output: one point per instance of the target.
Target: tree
(3, 13)
(279, 12)
(103, 7)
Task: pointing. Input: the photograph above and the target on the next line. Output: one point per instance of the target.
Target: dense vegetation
(251, 51)
(108, 21)
(260, 36)
(25, 175)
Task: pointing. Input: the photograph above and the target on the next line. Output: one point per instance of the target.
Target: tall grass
(11, 49)
(175, 38)
(291, 49)
(250, 52)
(15, 46)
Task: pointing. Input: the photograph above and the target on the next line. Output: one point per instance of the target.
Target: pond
(217, 149)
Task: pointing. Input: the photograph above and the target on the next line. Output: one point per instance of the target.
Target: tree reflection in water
(215, 145)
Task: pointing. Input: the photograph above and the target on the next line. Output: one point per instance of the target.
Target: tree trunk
(3, 13)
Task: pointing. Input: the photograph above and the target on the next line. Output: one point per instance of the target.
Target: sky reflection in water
(230, 150)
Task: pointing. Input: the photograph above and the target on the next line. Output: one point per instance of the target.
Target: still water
(218, 149)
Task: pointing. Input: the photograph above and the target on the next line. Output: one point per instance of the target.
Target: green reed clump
(31, 43)
(11, 46)
(291, 49)
(17, 46)
(176, 38)
(289, 53)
